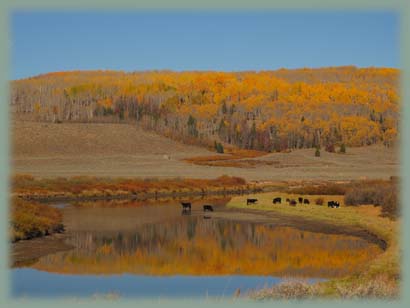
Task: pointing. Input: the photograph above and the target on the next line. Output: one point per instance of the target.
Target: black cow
(300, 199)
(306, 201)
(208, 207)
(293, 202)
(287, 200)
(251, 201)
(333, 204)
(186, 206)
(277, 200)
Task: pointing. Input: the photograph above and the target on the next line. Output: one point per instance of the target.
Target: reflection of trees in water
(191, 228)
(197, 246)
(217, 200)
(229, 234)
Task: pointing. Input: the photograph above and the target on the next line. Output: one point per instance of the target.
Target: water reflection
(197, 245)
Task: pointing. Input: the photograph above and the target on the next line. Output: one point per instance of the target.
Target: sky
(51, 41)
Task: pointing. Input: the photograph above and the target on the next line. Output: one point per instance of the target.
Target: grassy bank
(379, 278)
(29, 220)
(381, 193)
(94, 188)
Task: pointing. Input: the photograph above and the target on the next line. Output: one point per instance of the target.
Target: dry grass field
(123, 150)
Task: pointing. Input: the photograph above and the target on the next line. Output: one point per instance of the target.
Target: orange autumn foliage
(266, 110)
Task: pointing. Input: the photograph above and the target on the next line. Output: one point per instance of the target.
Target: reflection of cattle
(300, 199)
(185, 212)
(208, 208)
(186, 206)
(293, 202)
(251, 201)
(207, 217)
(277, 200)
(333, 204)
(306, 201)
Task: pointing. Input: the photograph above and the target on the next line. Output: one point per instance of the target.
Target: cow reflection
(185, 212)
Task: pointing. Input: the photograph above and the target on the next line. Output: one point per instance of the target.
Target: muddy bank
(26, 252)
(300, 223)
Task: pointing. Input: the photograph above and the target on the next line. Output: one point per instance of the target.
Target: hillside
(124, 150)
(268, 110)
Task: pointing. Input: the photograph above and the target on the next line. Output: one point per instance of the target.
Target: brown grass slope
(123, 150)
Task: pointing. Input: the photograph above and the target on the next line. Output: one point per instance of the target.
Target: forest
(258, 110)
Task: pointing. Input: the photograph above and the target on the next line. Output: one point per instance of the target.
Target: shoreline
(142, 196)
(363, 220)
(25, 252)
(304, 224)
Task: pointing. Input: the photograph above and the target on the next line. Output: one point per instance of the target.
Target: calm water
(154, 251)
(127, 285)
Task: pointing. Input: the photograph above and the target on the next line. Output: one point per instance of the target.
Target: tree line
(264, 110)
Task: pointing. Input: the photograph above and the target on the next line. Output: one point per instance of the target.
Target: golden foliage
(30, 219)
(288, 108)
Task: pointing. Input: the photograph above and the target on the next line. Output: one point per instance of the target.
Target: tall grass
(291, 289)
(379, 287)
(83, 185)
(30, 220)
(382, 194)
(321, 189)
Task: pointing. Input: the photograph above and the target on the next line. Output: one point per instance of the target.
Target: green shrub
(317, 152)
(342, 148)
(219, 148)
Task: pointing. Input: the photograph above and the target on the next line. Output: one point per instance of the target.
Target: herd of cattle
(186, 206)
(293, 202)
